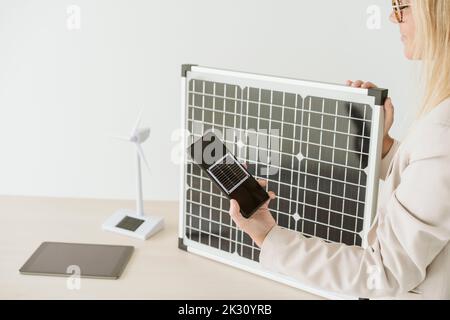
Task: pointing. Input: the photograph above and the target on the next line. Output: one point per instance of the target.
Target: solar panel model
(317, 144)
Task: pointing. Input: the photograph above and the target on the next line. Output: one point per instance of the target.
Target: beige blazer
(408, 255)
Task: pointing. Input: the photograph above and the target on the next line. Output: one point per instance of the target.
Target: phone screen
(227, 173)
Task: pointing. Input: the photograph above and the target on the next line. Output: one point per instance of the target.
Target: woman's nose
(393, 18)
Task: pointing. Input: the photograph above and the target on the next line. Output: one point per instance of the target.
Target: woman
(408, 255)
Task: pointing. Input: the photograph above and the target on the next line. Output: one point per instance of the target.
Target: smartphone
(227, 173)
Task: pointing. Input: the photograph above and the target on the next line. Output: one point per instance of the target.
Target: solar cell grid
(228, 173)
(314, 151)
(319, 179)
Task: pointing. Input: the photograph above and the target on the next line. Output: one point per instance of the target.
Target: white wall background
(62, 92)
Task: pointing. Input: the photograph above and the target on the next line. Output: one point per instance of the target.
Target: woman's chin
(409, 53)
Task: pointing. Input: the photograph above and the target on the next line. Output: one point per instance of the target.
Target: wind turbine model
(129, 222)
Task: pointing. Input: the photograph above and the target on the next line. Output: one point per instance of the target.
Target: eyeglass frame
(398, 8)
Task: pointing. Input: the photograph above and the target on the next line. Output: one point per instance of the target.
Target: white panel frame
(304, 89)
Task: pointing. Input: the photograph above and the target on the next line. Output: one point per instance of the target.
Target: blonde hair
(431, 45)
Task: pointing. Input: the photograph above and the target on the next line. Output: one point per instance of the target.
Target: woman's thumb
(388, 115)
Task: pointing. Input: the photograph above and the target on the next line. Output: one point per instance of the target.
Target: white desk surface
(157, 269)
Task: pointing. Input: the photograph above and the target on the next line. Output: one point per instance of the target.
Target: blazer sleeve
(386, 161)
(415, 228)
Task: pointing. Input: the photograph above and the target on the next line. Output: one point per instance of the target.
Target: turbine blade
(138, 121)
(123, 138)
(142, 155)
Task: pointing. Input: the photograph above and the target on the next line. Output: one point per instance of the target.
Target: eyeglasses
(398, 8)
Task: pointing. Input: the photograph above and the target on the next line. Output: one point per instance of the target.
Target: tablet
(92, 260)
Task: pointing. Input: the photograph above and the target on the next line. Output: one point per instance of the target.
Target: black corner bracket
(379, 94)
(185, 68)
(181, 245)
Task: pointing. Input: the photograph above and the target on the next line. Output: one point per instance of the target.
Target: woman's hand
(388, 114)
(259, 224)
